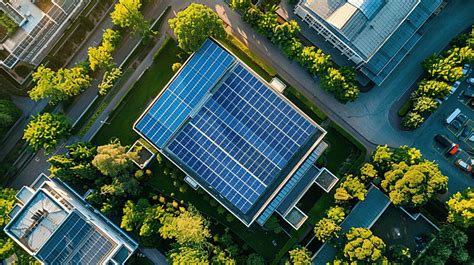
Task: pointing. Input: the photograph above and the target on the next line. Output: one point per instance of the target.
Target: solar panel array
(75, 242)
(241, 138)
(231, 131)
(201, 73)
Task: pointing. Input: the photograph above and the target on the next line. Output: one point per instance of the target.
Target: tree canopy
(414, 185)
(299, 256)
(113, 159)
(194, 25)
(60, 85)
(46, 130)
(76, 166)
(127, 14)
(326, 229)
(363, 246)
(461, 208)
(351, 188)
(188, 227)
(448, 247)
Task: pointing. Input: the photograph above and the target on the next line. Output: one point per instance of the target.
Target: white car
(465, 69)
(470, 81)
(454, 87)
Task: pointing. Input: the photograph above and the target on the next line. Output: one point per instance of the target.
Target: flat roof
(228, 130)
(37, 220)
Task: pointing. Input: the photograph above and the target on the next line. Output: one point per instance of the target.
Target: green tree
(399, 254)
(110, 39)
(292, 48)
(112, 159)
(121, 186)
(448, 247)
(253, 15)
(414, 185)
(326, 229)
(46, 130)
(336, 213)
(9, 113)
(314, 60)
(368, 172)
(350, 189)
(109, 79)
(7, 248)
(134, 214)
(240, 4)
(75, 167)
(255, 259)
(461, 208)
(194, 25)
(284, 33)
(299, 256)
(189, 227)
(100, 57)
(7, 201)
(188, 254)
(409, 155)
(363, 246)
(341, 84)
(267, 23)
(127, 14)
(382, 158)
(425, 105)
(433, 89)
(413, 120)
(58, 86)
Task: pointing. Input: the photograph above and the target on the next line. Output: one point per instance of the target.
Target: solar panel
(172, 108)
(241, 138)
(232, 133)
(75, 242)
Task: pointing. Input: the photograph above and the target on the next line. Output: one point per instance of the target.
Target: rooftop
(229, 131)
(56, 226)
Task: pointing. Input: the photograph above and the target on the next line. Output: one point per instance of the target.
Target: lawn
(139, 96)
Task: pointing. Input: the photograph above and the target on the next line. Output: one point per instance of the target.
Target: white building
(374, 34)
(37, 29)
(56, 226)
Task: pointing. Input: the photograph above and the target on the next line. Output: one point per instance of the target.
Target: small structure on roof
(145, 155)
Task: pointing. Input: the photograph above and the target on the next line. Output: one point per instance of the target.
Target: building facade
(374, 34)
(56, 226)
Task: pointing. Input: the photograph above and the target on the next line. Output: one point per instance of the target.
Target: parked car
(446, 142)
(463, 165)
(465, 69)
(453, 115)
(470, 81)
(466, 131)
(469, 92)
(456, 125)
(461, 118)
(455, 87)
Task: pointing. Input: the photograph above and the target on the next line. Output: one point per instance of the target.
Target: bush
(175, 67)
(413, 120)
(405, 108)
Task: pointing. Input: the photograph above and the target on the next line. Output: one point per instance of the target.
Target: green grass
(405, 108)
(304, 104)
(139, 96)
(248, 57)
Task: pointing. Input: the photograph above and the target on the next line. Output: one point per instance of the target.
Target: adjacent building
(37, 26)
(56, 226)
(394, 225)
(236, 138)
(374, 34)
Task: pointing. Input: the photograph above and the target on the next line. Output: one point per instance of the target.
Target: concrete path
(154, 255)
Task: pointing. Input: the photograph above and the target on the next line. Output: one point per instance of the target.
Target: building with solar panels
(236, 138)
(374, 34)
(38, 27)
(56, 226)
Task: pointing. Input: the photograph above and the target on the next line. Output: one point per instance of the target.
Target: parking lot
(436, 124)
